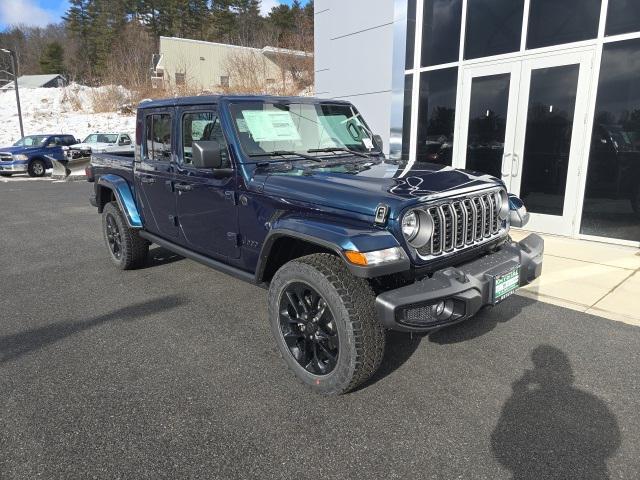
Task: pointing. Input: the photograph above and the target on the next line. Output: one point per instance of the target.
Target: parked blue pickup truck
(295, 194)
(33, 153)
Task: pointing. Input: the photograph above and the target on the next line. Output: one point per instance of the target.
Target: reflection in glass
(623, 17)
(487, 123)
(406, 117)
(552, 102)
(441, 31)
(493, 27)
(411, 34)
(612, 196)
(553, 23)
(436, 113)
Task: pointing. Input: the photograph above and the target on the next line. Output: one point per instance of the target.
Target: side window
(125, 140)
(202, 127)
(158, 137)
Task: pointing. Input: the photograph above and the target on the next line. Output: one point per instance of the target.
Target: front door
(154, 176)
(524, 121)
(206, 199)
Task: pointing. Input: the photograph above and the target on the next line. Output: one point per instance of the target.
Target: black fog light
(427, 314)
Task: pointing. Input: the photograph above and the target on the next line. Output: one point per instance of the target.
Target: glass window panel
(552, 104)
(623, 17)
(406, 117)
(487, 123)
(411, 34)
(493, 27)
(441, 31)
(553, 22)
(436, 113)
(612, 196)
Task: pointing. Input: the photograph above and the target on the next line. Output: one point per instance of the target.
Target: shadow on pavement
(484, 322)
(550, 429)
(398, 349)
(161, 256)
(16, 345)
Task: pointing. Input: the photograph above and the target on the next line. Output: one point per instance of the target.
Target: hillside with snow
(63, 110)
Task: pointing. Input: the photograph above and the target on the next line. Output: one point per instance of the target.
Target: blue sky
(42, 12)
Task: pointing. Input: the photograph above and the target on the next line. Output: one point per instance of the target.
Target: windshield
(31, 141)
(101, 138)
(264, 128)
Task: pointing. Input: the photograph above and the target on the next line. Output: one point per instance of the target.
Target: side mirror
(377, 141)
(206, 154)
(518, 215)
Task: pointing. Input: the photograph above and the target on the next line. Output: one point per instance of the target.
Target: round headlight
(417, 228)
(502, 200)
(410, 226)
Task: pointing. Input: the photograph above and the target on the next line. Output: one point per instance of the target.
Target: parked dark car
(295, 194)
(33, 154)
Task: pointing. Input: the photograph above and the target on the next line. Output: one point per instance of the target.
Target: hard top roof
(212, 99)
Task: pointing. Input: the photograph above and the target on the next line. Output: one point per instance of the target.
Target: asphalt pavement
(171, 372)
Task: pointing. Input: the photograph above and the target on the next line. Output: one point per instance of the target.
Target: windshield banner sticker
(271, 126)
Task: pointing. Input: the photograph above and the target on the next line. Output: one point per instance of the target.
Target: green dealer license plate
(504, 285)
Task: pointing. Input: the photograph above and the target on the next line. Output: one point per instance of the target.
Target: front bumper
(465, 289)
(15, 166)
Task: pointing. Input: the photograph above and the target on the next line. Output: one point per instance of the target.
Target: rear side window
(158, 137)
(202, 127)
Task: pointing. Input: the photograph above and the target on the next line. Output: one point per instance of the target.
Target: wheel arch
(308, 235)
(111, 187)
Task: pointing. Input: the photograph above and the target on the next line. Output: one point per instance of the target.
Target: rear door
(154, 174)
(206, 198)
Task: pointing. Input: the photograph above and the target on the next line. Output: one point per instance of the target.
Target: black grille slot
(459, 223)
(462, 223)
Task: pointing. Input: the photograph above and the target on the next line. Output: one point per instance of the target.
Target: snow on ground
(58, 110)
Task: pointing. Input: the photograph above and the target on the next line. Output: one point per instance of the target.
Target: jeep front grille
(462, 223)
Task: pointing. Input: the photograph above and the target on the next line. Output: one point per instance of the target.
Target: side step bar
(209, 262)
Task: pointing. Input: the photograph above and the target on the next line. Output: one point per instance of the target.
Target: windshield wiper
(338, 149)
(283, 153)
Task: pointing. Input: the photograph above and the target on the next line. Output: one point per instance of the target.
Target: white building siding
(354, 56)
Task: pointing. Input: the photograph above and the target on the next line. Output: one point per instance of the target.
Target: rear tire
(126, 248)
(36, 168)
(336, 314)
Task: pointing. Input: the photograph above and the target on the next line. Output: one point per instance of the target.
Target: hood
(18, 149)
(363, 186)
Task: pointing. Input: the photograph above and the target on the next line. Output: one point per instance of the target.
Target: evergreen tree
(52, 58)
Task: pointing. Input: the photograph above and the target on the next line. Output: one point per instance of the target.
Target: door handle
(504, 159)
(516, 160)
(147, 180)
(183, 187)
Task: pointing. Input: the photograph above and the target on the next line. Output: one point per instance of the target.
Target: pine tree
(52, 58)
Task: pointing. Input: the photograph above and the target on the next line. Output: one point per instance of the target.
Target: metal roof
(33, 81)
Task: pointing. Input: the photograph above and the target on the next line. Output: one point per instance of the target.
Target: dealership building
(544, 94)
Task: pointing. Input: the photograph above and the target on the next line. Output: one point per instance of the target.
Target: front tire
(126, 248)
(325, 325)
(36, 168)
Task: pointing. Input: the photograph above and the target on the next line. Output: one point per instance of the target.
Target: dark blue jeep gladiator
(295, 194)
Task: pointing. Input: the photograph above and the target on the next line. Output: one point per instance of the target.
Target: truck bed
(116, 163)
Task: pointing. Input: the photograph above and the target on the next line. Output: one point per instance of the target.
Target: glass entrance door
(550, 138)
(524, 121)
(487, 127)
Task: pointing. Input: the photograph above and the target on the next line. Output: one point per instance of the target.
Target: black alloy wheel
(308, 328)
(114, 237)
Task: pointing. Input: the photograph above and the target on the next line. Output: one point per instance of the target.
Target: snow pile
(66, 110)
